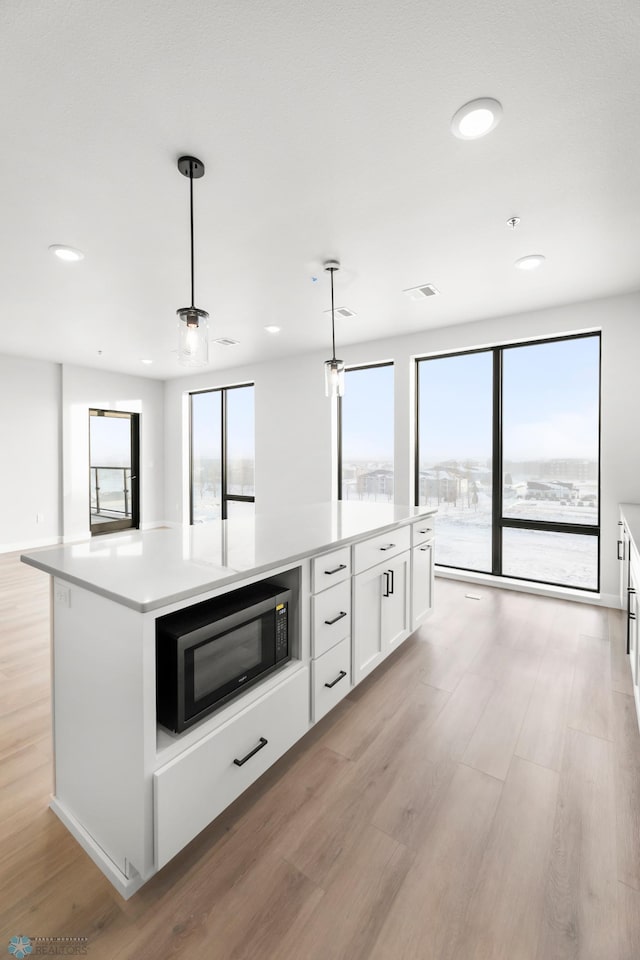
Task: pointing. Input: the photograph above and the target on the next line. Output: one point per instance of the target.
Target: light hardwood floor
(476, 798)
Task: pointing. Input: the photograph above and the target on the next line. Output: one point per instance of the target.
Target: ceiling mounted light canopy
(193, 342)
(333, 369)
(476, 118)
(530, 262)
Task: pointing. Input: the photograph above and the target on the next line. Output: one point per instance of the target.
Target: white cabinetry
(330, 630)
(191, 790)
(134, 794)
(421, 571)
(632, 616)
(330, 678)
(421, 583)
(381, 612)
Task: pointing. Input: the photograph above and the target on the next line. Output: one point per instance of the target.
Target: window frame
(225, 497)
(498, 521)
(361, 366)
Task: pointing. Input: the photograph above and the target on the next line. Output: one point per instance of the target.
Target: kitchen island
(133, 793)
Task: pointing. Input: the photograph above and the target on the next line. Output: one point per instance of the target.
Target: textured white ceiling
(325, 132)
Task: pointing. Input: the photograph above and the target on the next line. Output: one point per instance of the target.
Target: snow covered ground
(463, 539)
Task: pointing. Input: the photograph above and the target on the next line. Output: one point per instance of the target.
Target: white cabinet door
(632, 613)
(381, 613)
(421, 583)
(624, 547)
(368, 649)
(395, 602)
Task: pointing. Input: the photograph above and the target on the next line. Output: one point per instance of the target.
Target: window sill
(524, 586)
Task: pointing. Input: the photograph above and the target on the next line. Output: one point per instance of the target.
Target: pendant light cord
(191, 208)
(333, 321)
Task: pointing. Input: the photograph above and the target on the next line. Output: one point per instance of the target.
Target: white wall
(29, 445)
(82, 389)
(294, 418)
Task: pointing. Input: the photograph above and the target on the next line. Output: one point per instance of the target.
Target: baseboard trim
(522, 586)
(29, 545)
(126, 886)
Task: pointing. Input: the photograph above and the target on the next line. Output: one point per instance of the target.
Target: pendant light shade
(334, 378)
(193, 323)
(334, 368)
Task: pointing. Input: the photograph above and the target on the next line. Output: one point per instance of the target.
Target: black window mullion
(496, 492)
(339, 448)
(223, 454)
(191, 459)
(551, 526)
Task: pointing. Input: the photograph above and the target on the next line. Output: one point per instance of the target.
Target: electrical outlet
(63, 595)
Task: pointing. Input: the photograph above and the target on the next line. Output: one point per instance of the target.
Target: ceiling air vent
(343, 312)
(226, 342)
(422, 292)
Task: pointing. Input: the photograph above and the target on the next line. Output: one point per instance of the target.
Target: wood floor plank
(427, 918)
(621, 680)
(359, 894)
(373, 703)
(628, 922)
(590, 707)
(493, 743)
(543, 732)
(505, 912)
(627, 767)
(428, 762)
(331, 827)
(580, 919)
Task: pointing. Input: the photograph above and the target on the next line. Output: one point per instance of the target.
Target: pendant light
(193, 343)
(333, 369)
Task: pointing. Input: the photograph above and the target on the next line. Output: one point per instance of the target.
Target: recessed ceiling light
(68, 254)
(476, 118)
(421, 292)
(531, 262)
(271, 328)
(146, 361)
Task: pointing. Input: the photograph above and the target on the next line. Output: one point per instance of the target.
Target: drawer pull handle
(428, 530)
(340, 677)
(262, 744)
(337, 569)
(424, 549)
(389, 546)
(342, 614)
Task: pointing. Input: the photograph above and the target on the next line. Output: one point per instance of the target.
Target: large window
(508, 451)
(222, 453)
(365, 457)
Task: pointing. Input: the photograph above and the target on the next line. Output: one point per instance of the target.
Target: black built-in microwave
(212, 651)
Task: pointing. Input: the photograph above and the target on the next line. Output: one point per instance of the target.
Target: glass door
(113, 470)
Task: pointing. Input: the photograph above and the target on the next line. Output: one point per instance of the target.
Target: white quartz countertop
(631, 515)
(149, 569)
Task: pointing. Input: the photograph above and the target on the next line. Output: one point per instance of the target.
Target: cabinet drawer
(330, 617)
(330, 568)
(331, 678)
(191, 790)
(369, 552)
(422, 530)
